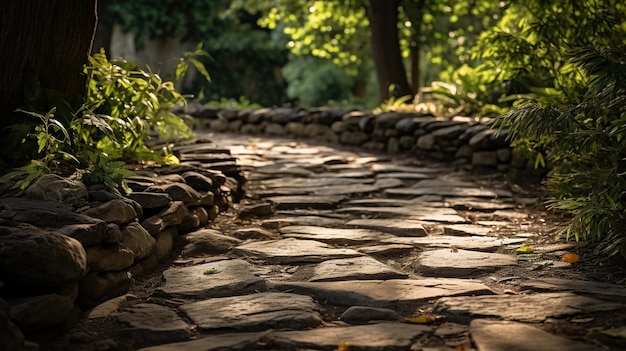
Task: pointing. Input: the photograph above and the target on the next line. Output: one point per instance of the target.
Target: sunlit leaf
(426, 318)
(570, 258)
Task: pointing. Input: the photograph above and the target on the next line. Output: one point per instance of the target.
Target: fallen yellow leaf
(422, 319)
(524, 249)
(570, 258)
(343, 346)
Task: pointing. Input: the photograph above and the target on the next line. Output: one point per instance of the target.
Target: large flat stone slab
(279, 222)
(333, 236)
(385, 202)
(524, 308)
(474, 204)
(383, 336)
(395, 227)
(603, 291)
(358, 268)
(350, 189)
(448, 191)
(467, 230)
(151, 324)
(229, 341)
(462, 263)
(490, 335)
(404, 175)
(214, 279)
(416, 213)
(476, 243)
(397, 293)
(255, 312)
(291, 250)
(310, 183)
(318, 202)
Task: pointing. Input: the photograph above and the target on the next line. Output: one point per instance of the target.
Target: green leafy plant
(561, 66)
(584, 143)
(124, 107)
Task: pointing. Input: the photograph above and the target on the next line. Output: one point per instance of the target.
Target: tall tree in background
(46, 41)
(364, 35)
(392, 78)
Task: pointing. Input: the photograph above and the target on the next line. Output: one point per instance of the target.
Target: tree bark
(49, 39)
(414, 11)
(383, 17)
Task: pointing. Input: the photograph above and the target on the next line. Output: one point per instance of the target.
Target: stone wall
(66, 248)
(460, 139)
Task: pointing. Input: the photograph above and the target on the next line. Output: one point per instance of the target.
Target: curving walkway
(337, 249)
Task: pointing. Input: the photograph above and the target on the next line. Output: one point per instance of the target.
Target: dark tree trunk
(383, 17)
(414, 11)
(50, 39)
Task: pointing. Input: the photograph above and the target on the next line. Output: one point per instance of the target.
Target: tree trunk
(48, 39)
(383, 17)
(414, 11)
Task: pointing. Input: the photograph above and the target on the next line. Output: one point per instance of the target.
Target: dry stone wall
(65, 247)
(459, 139)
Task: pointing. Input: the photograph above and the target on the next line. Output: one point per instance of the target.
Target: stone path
(343, 250)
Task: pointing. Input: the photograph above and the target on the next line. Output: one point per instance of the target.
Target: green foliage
(124, 106)
(240, 103)
(467, 95)
(248, 58)
(567, 62)
(315, 82)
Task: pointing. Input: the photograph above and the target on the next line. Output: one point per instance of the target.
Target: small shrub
(124, 106)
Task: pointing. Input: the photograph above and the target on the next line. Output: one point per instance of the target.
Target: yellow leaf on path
(426, 318)
(343, 346)
(570, 258)
(524, 249)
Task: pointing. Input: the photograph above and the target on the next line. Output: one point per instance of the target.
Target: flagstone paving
(340, 249)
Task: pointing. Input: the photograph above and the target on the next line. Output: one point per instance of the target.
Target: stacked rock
(65, 247)
(461, 139)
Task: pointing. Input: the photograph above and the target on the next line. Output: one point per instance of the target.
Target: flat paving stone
(291, 250)
(221, 342)
(319, 202)
(490, 335)
(207, 242)
(533, 308)
(603, 291)
(387, 250)
(395, 293)
(350, 189)
(390, 167)
(449, 191)
(404, 175)
(366, 315)
(152, 324)
(382, 336)
(477, 243)
(358, 268)
(363, 174)
(474, 204)
(214, 279)
(467, 230)
(255, 312)
(291, 182)
(395, 227)
(333, 236)
(280, 222)
(438, 183)
(430, 214)
(462, 263)
(385, 202)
